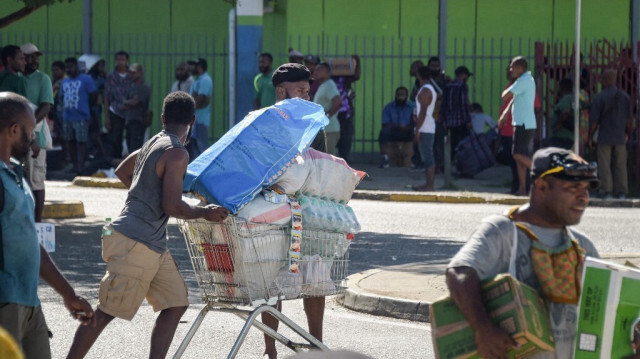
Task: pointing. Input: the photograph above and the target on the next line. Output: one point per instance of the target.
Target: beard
(21, 150)
(401, 103)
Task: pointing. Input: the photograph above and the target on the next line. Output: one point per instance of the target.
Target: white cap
(29, 49)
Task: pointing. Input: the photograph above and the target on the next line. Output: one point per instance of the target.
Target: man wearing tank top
(134, 246)
(426, 127)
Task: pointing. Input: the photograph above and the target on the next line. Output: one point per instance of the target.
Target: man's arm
(464, 287)
(386, 116)
(78, 307)
(505, 113)
(42, 111)
(336, 101)
(171, 167)
(201, 100)
(126, 167)
(507, 94)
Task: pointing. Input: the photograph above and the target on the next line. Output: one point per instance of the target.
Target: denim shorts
(426, 149)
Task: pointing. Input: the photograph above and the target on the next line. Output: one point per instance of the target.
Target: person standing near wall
(78, 93)
(454, 109)
(311, 61)
(116, 88)
(202, 91)
(439, 82)
(137, 106)
(611, 117)
(522, 95)
(265, 92)
(40, 94)
(328, 97)
(426, 127)
(183, 78)
(346, 112)
(11, 78)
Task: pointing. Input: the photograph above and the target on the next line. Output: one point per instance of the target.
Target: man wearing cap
(525, 242)
(311, 61)
(201, 90)
(522, 95)
(454, 109)
(40, 94)
(292, 81)
(265, 92)
(295, 56)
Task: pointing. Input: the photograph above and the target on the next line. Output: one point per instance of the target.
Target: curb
(356, 299)
(475, 199)
(84, 181)
(380, 305)
(63, 209)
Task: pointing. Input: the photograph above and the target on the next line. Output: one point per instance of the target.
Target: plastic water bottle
(310, 216)
(343, 217)
(106, 229)
(333, 216)
(324, 219)
(353, 221)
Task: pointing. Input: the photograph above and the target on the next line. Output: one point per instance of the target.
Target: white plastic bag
(316, 272)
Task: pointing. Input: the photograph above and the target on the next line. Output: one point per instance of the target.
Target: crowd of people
(414, 126)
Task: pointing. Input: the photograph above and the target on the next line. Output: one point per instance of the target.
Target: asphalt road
(392, 234)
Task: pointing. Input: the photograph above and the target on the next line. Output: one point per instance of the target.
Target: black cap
(570, 167)
(198, 61)
(312, 58)
(463, 70)
(290, 72)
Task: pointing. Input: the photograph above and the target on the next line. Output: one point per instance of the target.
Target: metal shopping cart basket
(242, 268)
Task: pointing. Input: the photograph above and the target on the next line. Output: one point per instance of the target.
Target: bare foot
(521, 194)
(423, 188)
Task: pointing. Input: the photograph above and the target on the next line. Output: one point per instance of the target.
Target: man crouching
(530, 243)
(135, 245)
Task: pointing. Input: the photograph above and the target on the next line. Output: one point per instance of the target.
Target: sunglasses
(570, 167)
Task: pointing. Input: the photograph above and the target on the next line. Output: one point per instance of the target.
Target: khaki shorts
(36, 170)
(28, 327)
(135, 272)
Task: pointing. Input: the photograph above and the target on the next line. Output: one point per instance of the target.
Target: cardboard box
(609, 308)
(511, 304)
(343, 66)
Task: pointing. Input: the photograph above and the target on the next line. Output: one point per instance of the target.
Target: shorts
(36, 170)
(75, 130)
(426, 149)
(135, 272)
(521, 140)
(28, 327)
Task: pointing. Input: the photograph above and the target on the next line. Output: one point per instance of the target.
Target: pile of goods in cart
(290, 202)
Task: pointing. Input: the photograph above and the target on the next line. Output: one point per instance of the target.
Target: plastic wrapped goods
(254, 153)
(322, 175)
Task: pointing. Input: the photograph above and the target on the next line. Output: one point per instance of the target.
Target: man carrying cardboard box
(535, 245)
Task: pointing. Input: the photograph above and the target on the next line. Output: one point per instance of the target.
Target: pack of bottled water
(328, 215)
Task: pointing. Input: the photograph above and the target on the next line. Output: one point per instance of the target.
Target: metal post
(442, 54)
(635, 28)
(576, 84)
(87, 13)
(232, 67)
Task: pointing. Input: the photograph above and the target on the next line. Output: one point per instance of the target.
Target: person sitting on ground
(480, 121)
(562, 121)
(291, 80)
(139, 264)
(397, 126)
(542, 236)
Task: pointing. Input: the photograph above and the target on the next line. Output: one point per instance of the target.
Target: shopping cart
(242, 268)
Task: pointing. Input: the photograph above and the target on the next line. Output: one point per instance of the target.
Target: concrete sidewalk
(406, 291)
(395, 184)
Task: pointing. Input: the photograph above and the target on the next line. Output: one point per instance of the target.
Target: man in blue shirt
(397, 126)
(22, 260)
(78, 93)
(201, 90)
(522, 95)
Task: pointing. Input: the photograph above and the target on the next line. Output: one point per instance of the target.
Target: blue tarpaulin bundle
(254, 153)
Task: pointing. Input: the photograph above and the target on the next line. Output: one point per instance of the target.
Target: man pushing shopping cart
(134, 245)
